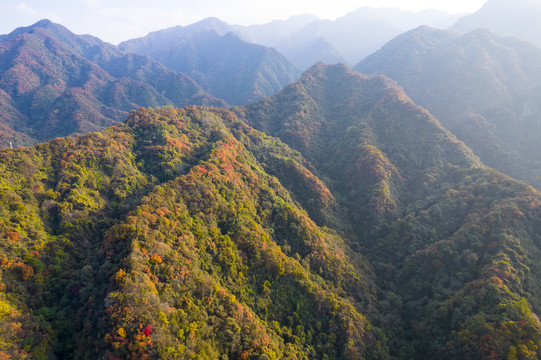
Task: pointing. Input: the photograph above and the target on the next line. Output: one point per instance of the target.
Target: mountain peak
(218, 59)
(210, 21)
(210, 24)
(337, 117)
(42, 23)
(425, 31)
(320, 69)
(480, 85)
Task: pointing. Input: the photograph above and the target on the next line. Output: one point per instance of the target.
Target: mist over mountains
(347, 39)
(215, 191)
(516, 18)
(481, 86)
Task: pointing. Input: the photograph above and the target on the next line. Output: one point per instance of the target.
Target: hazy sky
(117, 20)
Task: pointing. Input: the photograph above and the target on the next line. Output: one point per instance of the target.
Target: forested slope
(187, 233)
(455, 245)
(167, 237)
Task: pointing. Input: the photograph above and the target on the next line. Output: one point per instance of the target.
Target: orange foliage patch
(24, 270)
(156, 259)
(13, 236)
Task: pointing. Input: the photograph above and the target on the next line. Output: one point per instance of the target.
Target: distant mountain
(347, 39)
(274, 32)
(519, 18)
(161, 39)
(219, 60)
(406, 20)
(55, 83)
(366, 29)
(454, 245)
(305, 51)
(482, 87)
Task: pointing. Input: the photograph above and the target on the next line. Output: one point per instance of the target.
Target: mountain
(300, 46)
(218, 59)
(517, 18)
(363, 31)
(347, 39)
(161, 39)
(55, 83)
(453, 244)
(482, 87)
(344, 123)
(403, 19)
(274, 32)
(167, 236)
(358, 227)
(306, 51)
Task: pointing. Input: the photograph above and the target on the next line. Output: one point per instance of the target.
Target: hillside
(187, 233)
(482, 87)
(167, 237)
(55, 83)
(454, 244)
(219, 60)
(332, 113)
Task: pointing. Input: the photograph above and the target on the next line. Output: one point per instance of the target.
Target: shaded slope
(225, 65)
(482, 87)
(163, 237)
(345, 123)
(454, 244)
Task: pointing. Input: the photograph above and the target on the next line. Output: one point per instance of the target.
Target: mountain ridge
(347, 39)
(50, 77)
(147, 173)
(480, 86)
(499, 17)
(218, 59)
(420, 203)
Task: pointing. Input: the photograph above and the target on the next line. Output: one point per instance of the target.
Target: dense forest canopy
(186, 232)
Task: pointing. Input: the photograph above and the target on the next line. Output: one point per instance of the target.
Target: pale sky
(118, 20)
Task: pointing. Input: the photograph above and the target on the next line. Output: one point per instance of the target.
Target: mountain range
(226, 66)
(338, 214)
(419, 203)
(55, 83)
(482, 87)
(186, 232)
(306, 40)
(184, 246)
